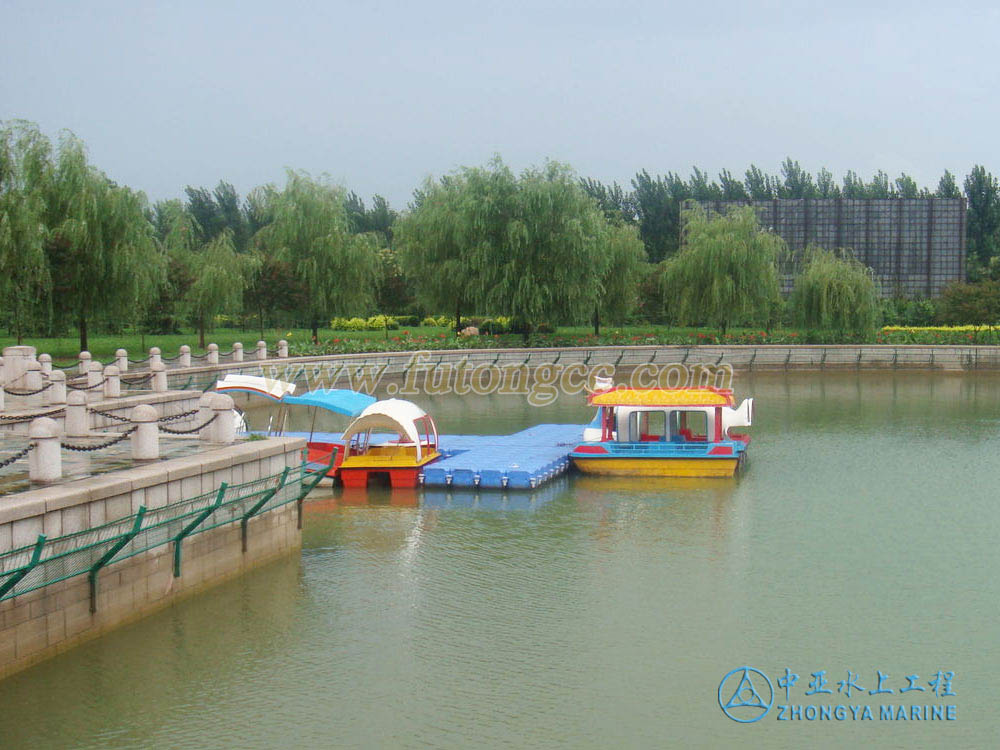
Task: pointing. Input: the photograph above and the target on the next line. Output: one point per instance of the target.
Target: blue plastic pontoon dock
(522, 461)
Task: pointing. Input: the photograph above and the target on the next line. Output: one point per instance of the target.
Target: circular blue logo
(741, 695)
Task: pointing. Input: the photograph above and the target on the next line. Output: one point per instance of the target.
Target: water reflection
(601, 612)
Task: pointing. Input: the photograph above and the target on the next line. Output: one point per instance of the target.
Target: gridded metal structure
(915, 246)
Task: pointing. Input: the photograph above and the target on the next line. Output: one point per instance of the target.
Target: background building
(915, 246)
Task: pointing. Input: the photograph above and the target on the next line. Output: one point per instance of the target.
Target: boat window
(647, 426)
(687, 425)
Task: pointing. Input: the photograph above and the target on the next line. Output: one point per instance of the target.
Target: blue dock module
(522, 461)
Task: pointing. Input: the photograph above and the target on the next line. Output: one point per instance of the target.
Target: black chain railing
(182, 415)
(171, 359)
(28, 417)
(137, 381)
(109, 415)
(4, 463)
(87, 387)
(29, 393)
(99, 446)
(190, 430)
(140, 361)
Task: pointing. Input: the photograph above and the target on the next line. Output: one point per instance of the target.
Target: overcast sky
(380, 95)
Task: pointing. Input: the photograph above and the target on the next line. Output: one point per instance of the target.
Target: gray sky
(380, 95)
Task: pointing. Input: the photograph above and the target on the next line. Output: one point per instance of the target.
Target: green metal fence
(50, 561)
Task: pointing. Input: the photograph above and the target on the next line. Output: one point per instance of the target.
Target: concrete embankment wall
(331, 370)
(53, 618)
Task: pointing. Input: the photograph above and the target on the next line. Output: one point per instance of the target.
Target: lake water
(600, 613)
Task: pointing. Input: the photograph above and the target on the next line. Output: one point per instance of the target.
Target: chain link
(137, 381)
(100, 446)
(139, 361)
(29, 393)
(109, 415)
(179, 416)
(190, 430)
(86, 387)
(15, 457)
(29, 417)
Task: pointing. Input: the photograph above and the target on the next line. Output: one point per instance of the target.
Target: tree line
(78, 251)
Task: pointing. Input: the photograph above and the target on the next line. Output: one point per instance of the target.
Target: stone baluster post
(237, 352)
(45, 360)
(112, 382)
(159, 371)
(223, 429)
(2, 381)
(2, 407)
(213, 354)
(146, 438)
(45, 458)
(204, 414)
(16, 359)
(121, 361)
(32, 382)
(283, 349)
(261, 350)
(185, 358)
(94, 376)
(57, 393)
(155, 356)
(83, 363)
(77, 418)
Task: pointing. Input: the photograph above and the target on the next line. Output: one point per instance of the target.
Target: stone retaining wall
(47, 621)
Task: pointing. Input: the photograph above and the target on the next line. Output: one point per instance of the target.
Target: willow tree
(835, 292)
(549, 259)
(625, 268)
(726, 271)
(309, 229)
(25, 163)
(101, 249)
(220, 275)
(453, 223)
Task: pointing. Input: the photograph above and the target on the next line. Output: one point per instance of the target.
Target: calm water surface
(599, 613)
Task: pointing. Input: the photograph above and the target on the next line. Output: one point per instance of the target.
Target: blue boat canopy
(339, 400)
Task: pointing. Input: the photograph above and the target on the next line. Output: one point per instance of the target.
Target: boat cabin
(412, 443)
(685, 432)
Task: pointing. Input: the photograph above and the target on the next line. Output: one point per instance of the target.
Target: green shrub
(920, 312)
(408, 320)
(545, 328)
(339, 324)
(495, 326)
(381, 323)
(356, 324)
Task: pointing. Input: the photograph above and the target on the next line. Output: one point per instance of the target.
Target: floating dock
(522, 461)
